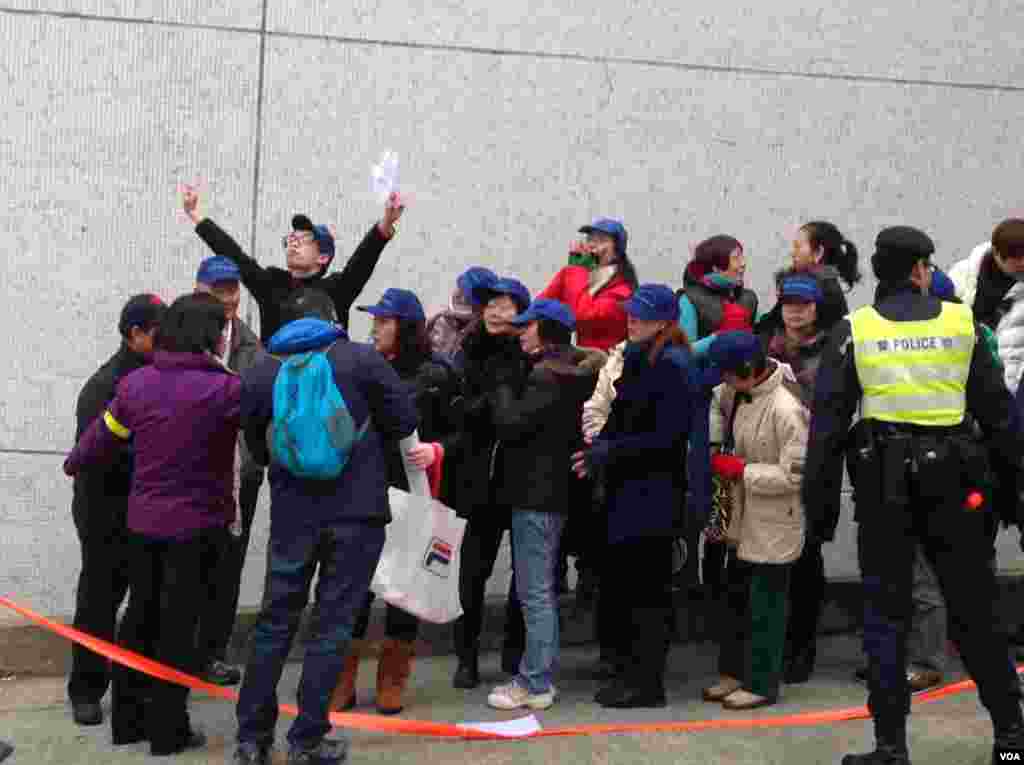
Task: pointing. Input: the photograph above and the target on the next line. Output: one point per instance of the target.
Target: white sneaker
(515, 696)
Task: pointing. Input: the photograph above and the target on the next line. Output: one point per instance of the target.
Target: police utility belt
(890, 464)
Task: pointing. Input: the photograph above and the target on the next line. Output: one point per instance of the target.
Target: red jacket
(600, 319)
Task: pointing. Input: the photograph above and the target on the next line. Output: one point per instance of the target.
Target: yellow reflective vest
(914, 372)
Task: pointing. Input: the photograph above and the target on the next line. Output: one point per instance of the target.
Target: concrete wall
(515, 123)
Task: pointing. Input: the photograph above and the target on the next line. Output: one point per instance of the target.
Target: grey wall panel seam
(749, 71)
(258, 144)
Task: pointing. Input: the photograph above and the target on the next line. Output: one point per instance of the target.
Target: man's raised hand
(393, 210)
(190, 202)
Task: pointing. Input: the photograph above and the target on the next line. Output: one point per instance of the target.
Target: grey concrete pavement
(34, 716)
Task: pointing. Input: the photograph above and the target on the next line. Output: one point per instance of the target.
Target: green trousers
(753, 638)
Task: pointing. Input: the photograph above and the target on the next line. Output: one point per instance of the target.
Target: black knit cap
(143, 311)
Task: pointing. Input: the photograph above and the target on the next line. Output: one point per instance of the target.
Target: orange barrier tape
(446, 730)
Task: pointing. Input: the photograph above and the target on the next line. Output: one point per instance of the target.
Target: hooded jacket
(599, 310)
(770, 432)
(1007, 320)
(271, 287)
(181, 414)
(537, 426)
(370, 388)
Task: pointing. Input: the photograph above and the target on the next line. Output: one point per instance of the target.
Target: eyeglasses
(300, 238)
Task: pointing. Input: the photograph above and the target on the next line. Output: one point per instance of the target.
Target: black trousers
(806, 599)
(217, 616)
(479, 552)
(958, 545)
(398, 624)
(102, 586)
(639, 598)
(169, 584)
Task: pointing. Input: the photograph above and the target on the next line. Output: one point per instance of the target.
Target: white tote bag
(419, 565)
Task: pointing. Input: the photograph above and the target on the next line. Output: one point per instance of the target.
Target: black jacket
(538, 430)
(101, 494)
(434, 388)
(832, 308)
(487, 360)
(272, 286)
(838, 393)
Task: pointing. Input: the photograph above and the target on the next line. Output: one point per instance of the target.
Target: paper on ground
(523, 726)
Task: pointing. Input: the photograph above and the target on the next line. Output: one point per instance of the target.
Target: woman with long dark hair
(181, 416)
(400, 335)
(821, 249)
(641, 452)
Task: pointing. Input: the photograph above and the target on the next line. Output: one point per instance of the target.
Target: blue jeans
(535, 538)
(347, 555)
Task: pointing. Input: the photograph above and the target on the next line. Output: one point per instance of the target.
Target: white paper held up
(384, 176)
(518, 728)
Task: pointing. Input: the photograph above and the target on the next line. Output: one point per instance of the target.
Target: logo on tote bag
(438, 560)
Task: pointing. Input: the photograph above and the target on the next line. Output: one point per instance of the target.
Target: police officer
(915, 367)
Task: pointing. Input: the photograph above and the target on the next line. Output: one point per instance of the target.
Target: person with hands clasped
(491, 355)
(641, 451)
(309, 251)
(537, 422)
(759, 412)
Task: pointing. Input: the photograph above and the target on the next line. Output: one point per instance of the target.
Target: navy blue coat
(370, 387)
(642, 449)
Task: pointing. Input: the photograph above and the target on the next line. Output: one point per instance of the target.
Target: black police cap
(904, 242)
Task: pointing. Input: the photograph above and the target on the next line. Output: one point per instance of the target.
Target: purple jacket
(182, 414)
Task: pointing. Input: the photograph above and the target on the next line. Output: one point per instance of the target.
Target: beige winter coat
(771, 436)
(597, 409)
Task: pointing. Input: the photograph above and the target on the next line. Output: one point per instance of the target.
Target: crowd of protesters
(613, 419)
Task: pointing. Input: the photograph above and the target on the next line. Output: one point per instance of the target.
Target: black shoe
(193, 740)
(605, 669)
(883, 755)
(467, 674)
(251, 754)
(610, 691)
(87, 712)
(5, 750)
(220, 673)
(327, 752)
(125, 735)
(624, 697)
(1009, 741)
(798, 671)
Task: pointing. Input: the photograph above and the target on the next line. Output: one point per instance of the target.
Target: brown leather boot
(344, 696)
(393, 672)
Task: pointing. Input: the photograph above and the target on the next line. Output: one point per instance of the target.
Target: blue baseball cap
(546, 308)
(398, 304)
(942, 286)
(612, 228)
(218, 269)
(504, 286)
(473, 278)
(321, 233)
(802, 287)
(731, 350)
(653, 302)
